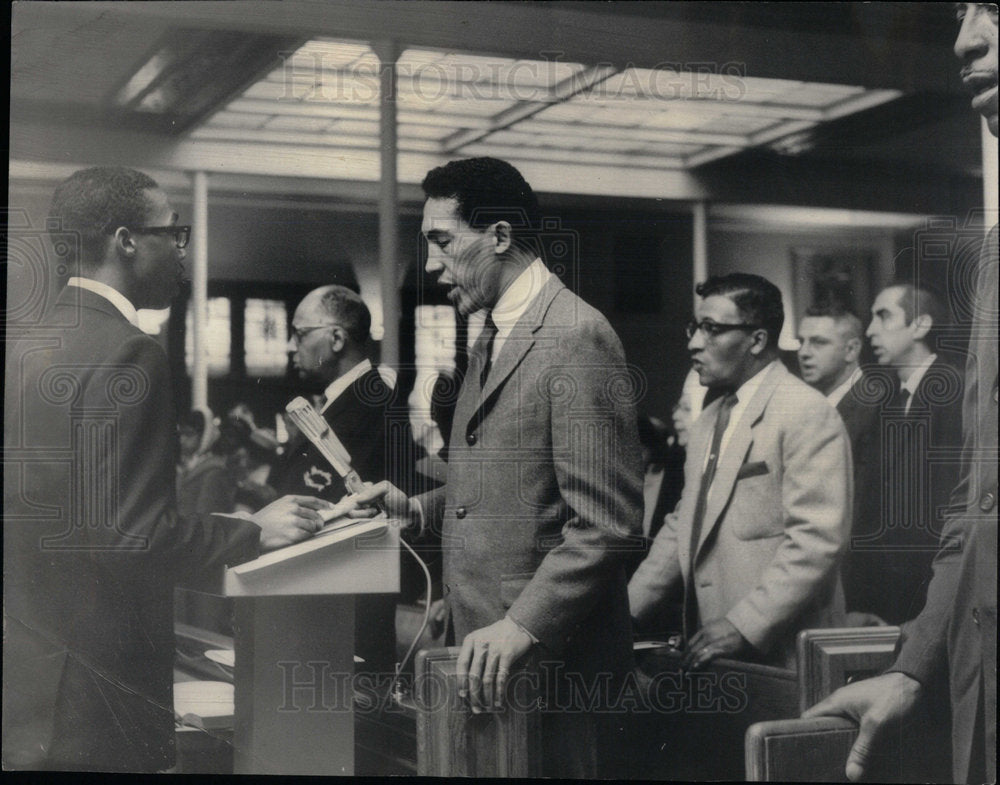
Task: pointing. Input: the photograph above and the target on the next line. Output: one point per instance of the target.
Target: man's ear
(922, 325)
(760, 341)
(853, 350)
(337, 339)
(124, 242)
(503, 236)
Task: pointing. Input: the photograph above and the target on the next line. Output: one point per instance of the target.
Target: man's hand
(878, 705)
(485, 661)
(289, 519)
(397, 504)
(718, 638)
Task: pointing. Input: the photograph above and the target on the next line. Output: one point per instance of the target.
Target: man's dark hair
(93, 202)
(757, 299)
(487, 190)
(917, 300)
(348, 310)
(840, 315)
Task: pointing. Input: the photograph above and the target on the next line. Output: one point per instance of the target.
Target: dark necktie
(690, 598)
(485, 345)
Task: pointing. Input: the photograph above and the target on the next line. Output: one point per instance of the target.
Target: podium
(294, 640)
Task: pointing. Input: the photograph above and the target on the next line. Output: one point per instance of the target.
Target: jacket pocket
(754, 469)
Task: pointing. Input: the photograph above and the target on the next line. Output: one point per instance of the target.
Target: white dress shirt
(109, 293)
(838, 394)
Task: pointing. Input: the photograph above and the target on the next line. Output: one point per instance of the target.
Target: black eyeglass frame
(299, 333)
(714, 329)
(181, 232)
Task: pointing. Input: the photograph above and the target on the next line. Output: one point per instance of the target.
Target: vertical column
(388, 203)
(700, 254)
(199, 291)
(990, 200)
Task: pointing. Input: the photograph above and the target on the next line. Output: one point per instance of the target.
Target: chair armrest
(797, 750)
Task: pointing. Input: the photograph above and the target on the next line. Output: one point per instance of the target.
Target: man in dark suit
(754, 545)
(920, 429)
(329, 330)
(954, 638)
(543, 498)
(829, 349)
(92, 542)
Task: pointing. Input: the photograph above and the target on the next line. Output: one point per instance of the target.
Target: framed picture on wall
(843, 276)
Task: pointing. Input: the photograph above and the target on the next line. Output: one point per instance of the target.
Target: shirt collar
(749, 388)
(341, 383)
(911, 384)
(837, 395)
(517, 297)
(109, 293)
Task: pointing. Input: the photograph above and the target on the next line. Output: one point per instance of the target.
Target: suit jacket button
(975, 616)
(460, 513)
(470, 439)
(987, 502)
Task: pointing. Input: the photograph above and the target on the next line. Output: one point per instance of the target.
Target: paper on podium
(347, 556)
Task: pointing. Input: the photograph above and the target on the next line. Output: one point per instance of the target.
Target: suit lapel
(516, 346)
(735, 452)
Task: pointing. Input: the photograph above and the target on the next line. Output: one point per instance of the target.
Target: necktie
(690, 599)
(485, 342)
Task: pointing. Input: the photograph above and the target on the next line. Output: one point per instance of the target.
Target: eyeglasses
(714, 329)
(182, 234)
(298, 333)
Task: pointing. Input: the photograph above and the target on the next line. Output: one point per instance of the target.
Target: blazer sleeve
(658, 576)
(816, 494)
(129, 469)
(600, 483)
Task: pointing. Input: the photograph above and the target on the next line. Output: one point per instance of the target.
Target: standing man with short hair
(829, 348)
(955, 636)
(926, 416)
(543, 498)
(93, 545)
(754, 545)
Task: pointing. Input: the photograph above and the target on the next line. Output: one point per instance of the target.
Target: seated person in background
(250, 463)
(265, 438)
(329, 330)
(830, 341)
(205, 484)
(754, 545)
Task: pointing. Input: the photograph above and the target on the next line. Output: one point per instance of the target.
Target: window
(218, 339)
(265, 337)
(435, 352)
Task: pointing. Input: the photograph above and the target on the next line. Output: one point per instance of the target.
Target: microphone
(318, 431)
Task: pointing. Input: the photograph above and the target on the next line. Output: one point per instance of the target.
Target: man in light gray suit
(543, 499)
(754, 545)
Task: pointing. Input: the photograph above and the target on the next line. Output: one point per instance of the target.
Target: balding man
(329, 330)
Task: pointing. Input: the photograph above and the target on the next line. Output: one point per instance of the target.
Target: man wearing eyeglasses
(755, 542)
(93, 545)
